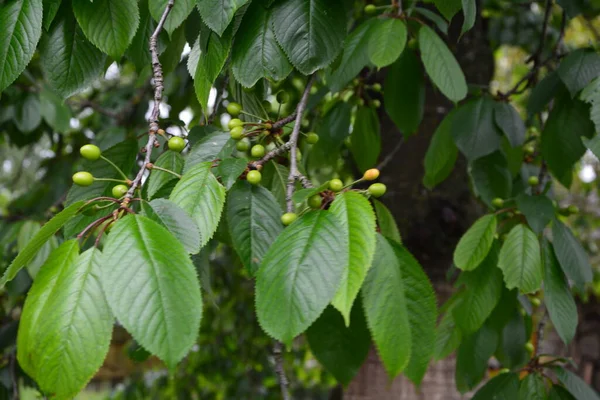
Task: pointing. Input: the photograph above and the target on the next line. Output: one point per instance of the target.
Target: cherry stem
(110, 180)
(115, 167)
(166, 170)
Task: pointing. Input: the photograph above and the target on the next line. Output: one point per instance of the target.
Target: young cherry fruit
(90, 152)
(243, 145)
(282, 97)
(257, 150)
(370, 9)
(498, 202)
(83, 178)
(234, 109)
(234, 122)
(371, 174)
(315, 201)
(254, 177)
(237, 133)
(312, 138)
(377, 189)
(533, 181)
(119, 191)
(529, 347)
(288, 218)
(176, 143)
(336, 185)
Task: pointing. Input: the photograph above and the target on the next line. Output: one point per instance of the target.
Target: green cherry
(377, 189)
(315, 201)
(529, 347)
(370, 9)
(257, 150)
(243, 145)
(336, 185)
(288, 218)
(237, 133)
(498, 202)
(312, 138)
(234, 109)
(83, 178)
(533, 181)
(234, 122)
(90, 152)
(119, 191)
(254, 177)
(282, 97)
(573, 209)
(177, 144)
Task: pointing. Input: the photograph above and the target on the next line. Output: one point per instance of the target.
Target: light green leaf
(404, 92)
(109, 24)
(70, 327)
(387, 40)
(158, 179)
(210, 63)
(448, 336)
(20, 31)
(476, 243)
(311, 32)
(153, 293)
(448, 7)
(441, 66)
(365, 138)
(474, 130)
(200, 195)
(577, 386)
(38, 240)
(28, 230)
(292, 287)
(482, 293)
(255, 53)
(441, 154)
(573, 259)
(591, 95)
(177, 221)
(502, 387)
(339, 348)
(253, 217)
(212, 146)
(433, 17)
(358, 220)
(533, 387)
(386, 222)
(538, 210)
(55, 112)
(179, 13)
(217, 14)
(510, 123)
(520, 260)
(578, 69)
(70, 63)
(27, 116)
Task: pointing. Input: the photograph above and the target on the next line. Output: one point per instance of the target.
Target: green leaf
(387, 41)
(55, 112)
(404, 92)
(109, 24)
(560, 393)
(153, 293)
(474, 129)
(365, 138)
(66, 324)
(354, 57)
(139, 52)
(448, 337)
(441, 154)
(573, 259)
(339, 348)
(470, 10)
(253, 217)
(441, 66)
(557, 296)
(70, 63)
(511, 351)
(386, 222)
(435, 18)
(50, 10)
(275, 178)
(255, 53)
(40, 238)
(538, 210)
(577, 386)
(591, 95)
(533, 387)
(483, 291)
(543, 92)
(230, 169)
(28, 230)
(578, 69)
(210, 63)
(476, 243)
(448, 7)
(358, 220)
(491, 177)
(502, 387)
(179, 13)
(520, 260)
(177, 221)
(217, 14)
(20, 31)
(561, 142)
(510, 123)
(311, 32)
(212, 146)
(158, 179)
(27, 115)
(386, 309)
(472, 357)
(200, 195)
(292, 288)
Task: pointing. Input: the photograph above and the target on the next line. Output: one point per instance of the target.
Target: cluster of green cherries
(336, 185)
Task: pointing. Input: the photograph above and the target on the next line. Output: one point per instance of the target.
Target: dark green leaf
(180, 11)
(387, 40)
(474, 129)
(502, 387)
(560, 393)
(470, 11)
(448, 7)
(365, 138)
(435, 18)
(591, 95)
(441, 154)
(578, 69)
(533, 387)
(520, 260)
(55, 112)
(275, 178)
(386, 222)
(229, 170)
(491, 177)
(27, 115)
(50, 9)
(573, 259)
(511, 351)
(543, 92)
(212, 146)
(577, 386)
(448, 337)
(170, 160)
(177, 221)
(472, 357)
(538, 210)
(217, 14)
(510, 123)
(210, 64)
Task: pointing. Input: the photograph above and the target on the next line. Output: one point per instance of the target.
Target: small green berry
(83, 178)
(234, 109)
(533, 181)
(257, 150)
(504, 371)
(529, 149)
(234, 122)
(315, 201)
(535, 302)
(371, 174)
(237, 133)
(119, 191)
(243, 145)
(90, 152)
(282, 97)
(370, 9)
(376, 103)
(377, 189)
(529, 347)
(573, 209)
(254, 177)
(176, 143)
(312, 138)
(288, 218)
(377, 87)
(498, 202)
(336, 185)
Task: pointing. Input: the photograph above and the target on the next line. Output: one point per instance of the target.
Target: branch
(540, 334)
(157, 74)
(294, 173)
(280, 371)
(284, 121)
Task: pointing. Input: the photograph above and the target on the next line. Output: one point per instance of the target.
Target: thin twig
(284, 121)
(304, 181)
(280, 371)
(391, 155)
(272, 154)
(158, 90)
(294, 173)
